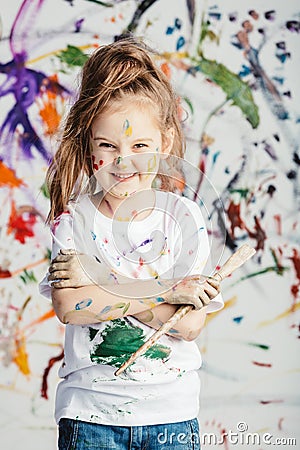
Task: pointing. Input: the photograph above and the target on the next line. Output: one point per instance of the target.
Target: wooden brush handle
(233, 262)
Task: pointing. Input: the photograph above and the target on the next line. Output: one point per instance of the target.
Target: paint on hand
(127, 128)
(119, 340)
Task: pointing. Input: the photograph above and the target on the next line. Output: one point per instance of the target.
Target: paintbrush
(235, 261)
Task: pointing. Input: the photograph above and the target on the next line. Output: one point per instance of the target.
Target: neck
(137, 206)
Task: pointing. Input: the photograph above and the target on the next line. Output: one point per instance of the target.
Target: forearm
(92, 304)
(187, 328)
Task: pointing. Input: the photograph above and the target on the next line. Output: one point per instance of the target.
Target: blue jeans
(77, 435)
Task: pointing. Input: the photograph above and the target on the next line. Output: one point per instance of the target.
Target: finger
(68, 251)
(61, 284)
(62, 258)
(211, 291)
(58, 266)
(204, 297)
(63, 274)
(213, 282)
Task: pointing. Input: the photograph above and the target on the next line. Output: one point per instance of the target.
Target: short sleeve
(62, 237)
(193, 249)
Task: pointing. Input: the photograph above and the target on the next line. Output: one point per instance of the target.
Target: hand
(196, 291)
(71, 269)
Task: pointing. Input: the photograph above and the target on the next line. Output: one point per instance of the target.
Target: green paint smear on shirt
(120, 340)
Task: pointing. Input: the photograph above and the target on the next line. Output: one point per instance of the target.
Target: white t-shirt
(163, 385)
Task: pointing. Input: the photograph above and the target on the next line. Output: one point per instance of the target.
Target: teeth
(128, 175)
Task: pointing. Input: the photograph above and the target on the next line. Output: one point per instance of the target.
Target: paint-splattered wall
(236, 67)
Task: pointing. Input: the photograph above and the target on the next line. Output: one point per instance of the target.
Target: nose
(124, 157)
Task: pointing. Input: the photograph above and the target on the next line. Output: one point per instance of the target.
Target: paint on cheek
(151, 164)
(127, 128)
(83, 304)
(96, 165)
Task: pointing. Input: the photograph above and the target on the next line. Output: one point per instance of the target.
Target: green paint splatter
(236, 90)
(261, 346)
(120, 340)
(72, 57)
(92, 332)
(28, 277)
(243, 192)
(44, 190)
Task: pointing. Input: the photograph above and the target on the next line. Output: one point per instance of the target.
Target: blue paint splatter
(83, 304)
(93, 235)
(238, 319)
(180, 43)
(106, 309)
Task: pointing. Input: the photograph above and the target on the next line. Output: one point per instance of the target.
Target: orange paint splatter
(8, 177)
(48, 315)
(165, 67)
(49, 113)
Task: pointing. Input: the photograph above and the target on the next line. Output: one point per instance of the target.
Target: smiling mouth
(123, 176)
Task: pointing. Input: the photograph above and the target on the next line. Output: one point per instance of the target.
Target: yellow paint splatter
(228, 304)
(285, 313)
(127, 128)
(21, 356)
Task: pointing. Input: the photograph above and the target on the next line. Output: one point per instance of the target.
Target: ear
(167, 144)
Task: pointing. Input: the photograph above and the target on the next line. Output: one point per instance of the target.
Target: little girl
(139, 254)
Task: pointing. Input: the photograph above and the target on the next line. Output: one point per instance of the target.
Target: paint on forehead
(127, 128)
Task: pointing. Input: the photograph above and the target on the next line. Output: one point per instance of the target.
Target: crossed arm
(78, 300)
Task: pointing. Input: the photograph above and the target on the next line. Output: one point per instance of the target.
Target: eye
(107, 146)
(140, 145)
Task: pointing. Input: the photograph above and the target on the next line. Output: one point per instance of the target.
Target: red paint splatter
(259, 234)
(52, 361)
(280, 423)
(296, 263)
(267, 402)
(5, 273)
(56, 221)
(224, 435)
(277, 218)
(234, 216)
(141, 261)
(21, 222)
(95, 166)
(260, 364)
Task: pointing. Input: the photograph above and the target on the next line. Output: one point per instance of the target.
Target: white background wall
(251, 349)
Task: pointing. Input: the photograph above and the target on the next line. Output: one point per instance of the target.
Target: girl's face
(127, 147)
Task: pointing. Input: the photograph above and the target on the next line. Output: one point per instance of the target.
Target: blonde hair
(113, 72)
